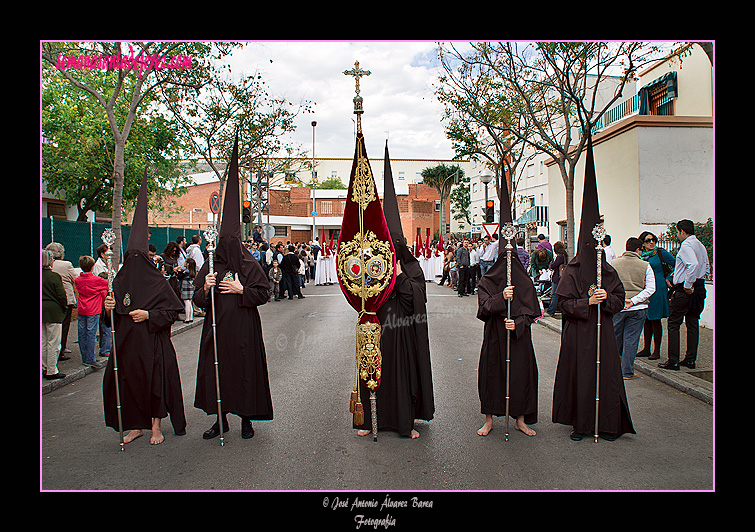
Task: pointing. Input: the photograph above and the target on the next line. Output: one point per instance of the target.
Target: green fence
(83, 238)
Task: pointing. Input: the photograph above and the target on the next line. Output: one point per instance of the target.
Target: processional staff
(108, 238)
(599, 232)
(211, 235)
(508, 232)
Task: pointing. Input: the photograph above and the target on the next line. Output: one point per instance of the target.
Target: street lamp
(314, 183)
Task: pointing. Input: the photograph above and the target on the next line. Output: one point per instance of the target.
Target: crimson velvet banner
(366, 269)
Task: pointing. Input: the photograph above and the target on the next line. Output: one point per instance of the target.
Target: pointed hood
(231, 257)
(505, 215)
(581, 271)
(230, 224)
(590, 216)
(409, 263)
(138, 237)
(525, 300)
(390, 202)
(139, 284)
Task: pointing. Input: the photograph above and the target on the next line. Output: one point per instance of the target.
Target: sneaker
(634, 376)
(95, 364)
(55, 376)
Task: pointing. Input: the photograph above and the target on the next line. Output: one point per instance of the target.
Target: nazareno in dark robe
(148, 374)
(574, 386)
(491, 371)
(406, 388)
(242, 362)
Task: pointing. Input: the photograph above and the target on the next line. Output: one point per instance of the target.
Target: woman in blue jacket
(658, 304)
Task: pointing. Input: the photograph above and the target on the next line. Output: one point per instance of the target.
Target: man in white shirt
(687, 284)
(195, 252)
(490, 253)
(474, 266)
(639, 284)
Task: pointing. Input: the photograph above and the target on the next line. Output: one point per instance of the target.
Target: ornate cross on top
(358, 110)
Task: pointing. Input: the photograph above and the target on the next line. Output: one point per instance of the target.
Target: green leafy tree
(135, 73)
(460, 201)
(442, 177)
(77, 156)
(332, 183)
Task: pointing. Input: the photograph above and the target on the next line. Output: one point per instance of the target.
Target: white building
(652, 169)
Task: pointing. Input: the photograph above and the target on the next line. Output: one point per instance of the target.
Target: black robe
(491, 371)
(574, 387)
(406, 388)
(242, 362)
(148, 374)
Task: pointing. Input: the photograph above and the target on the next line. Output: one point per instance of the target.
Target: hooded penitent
(493, 309)
(574, 399)
(148, 376)
(242, 362)
(406, 388)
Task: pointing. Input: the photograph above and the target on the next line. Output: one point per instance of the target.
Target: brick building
(290, 207)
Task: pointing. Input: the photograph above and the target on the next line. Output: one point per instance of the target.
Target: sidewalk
(696, 382)
(74, 370)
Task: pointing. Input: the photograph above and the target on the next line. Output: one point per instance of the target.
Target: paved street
(310, 444)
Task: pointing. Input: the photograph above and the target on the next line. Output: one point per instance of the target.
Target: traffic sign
(268, 231)
(490, 228)
(214, 203)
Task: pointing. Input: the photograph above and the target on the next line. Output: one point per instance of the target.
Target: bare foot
(157, 435)
(415, 434)
(131, 436)
(487, 427)
(521, 426)
(363, 432)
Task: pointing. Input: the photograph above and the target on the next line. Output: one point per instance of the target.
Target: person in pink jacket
(92, 291)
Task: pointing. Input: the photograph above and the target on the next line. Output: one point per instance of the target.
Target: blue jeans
(88, 337)
(553, 305)
(628, 326)
(106, 338)
(485, 266)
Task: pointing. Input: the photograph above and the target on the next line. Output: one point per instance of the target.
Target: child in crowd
(92, 291)
(186, 276)
(275, 274)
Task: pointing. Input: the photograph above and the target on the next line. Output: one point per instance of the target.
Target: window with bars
(660, 103)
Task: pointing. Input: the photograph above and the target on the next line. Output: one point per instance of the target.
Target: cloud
(398, 94)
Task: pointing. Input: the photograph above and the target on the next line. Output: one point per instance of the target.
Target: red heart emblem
(355, 268)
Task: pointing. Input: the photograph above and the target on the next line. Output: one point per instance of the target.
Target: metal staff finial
(358, 100)
(108, 238)
(508, 231)
(211, 235)
(598, 232)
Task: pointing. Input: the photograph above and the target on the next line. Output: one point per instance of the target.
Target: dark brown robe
(406, 388)
(574, 397)
(491, 371)
(148, 374)
(493, 309)
(242, 362)
(574, 387)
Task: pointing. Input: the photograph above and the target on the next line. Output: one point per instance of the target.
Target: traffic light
(489, 211)
(246, 216)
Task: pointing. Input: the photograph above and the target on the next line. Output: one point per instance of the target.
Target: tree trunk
(118, 170)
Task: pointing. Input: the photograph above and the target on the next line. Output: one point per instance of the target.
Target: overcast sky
(399, 103)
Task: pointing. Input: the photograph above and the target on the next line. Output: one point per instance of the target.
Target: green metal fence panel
(83, 238)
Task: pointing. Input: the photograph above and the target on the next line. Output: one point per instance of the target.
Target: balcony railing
(537, 214)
